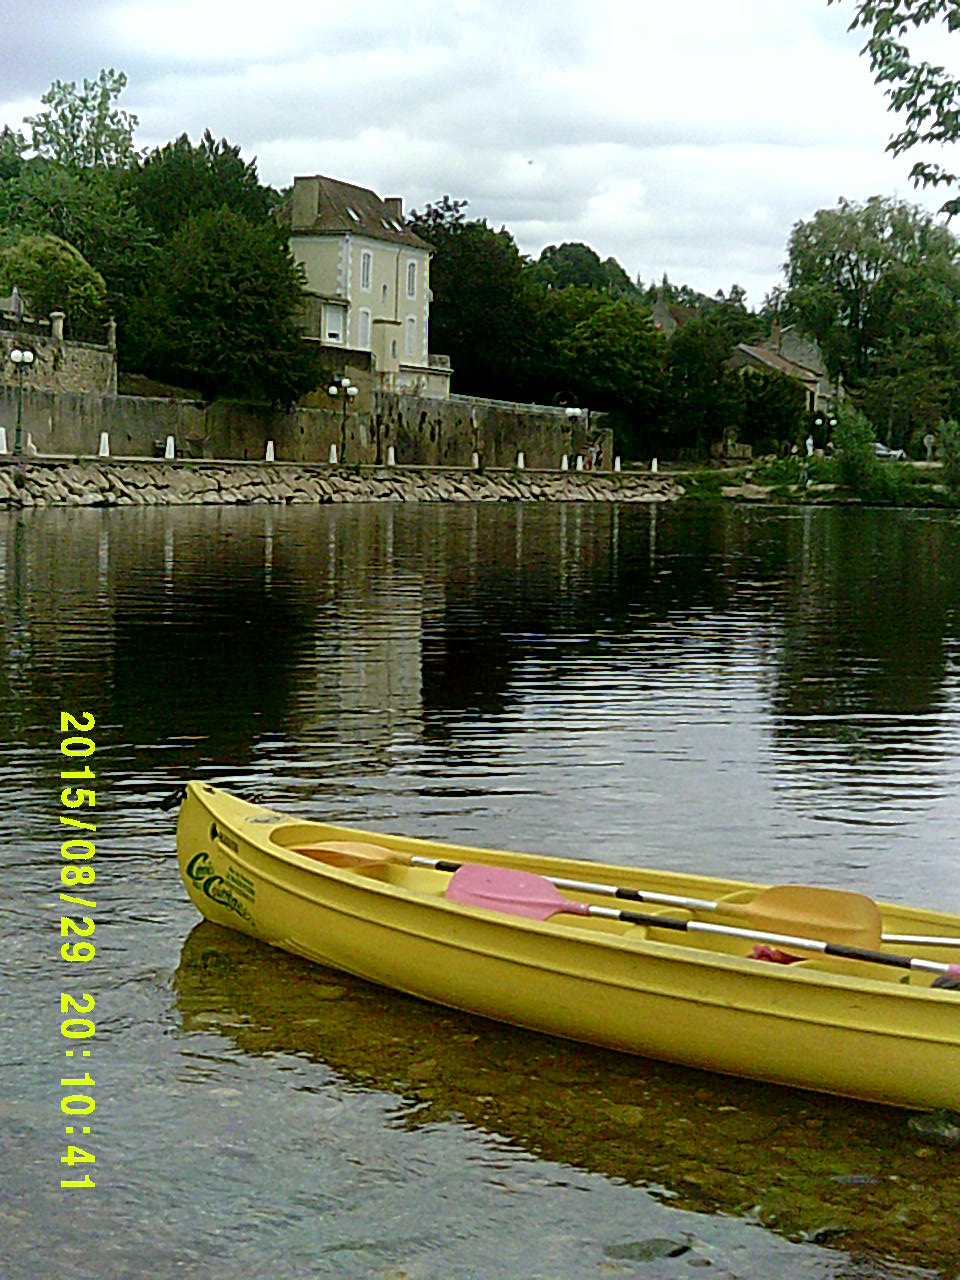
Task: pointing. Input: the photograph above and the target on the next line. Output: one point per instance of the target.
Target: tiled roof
(773, 361)
(327, 206)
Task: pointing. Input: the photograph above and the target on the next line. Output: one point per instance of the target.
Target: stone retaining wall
(421, 432)
(36, 482)
(80, 367)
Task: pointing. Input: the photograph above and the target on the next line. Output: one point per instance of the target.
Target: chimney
(394, 207)
(306, 203)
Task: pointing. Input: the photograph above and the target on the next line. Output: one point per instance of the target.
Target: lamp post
(21, 359)
(574, 414)
(342, 386)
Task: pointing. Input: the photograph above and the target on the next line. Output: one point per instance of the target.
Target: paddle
(843, 916)
(522, 894)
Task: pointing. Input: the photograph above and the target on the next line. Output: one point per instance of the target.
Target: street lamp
(21, 359)
(343, 386)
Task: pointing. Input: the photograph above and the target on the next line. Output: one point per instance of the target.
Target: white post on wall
(653, 465)
(564, 463)
(333, 455)
(170, 451)
(104, 445)
(520, 461)
(3, 440)
(391, 456)
(269, 456)
(616, 463)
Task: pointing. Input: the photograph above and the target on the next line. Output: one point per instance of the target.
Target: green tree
(559, 267)
(222, 312)
(702, 396)
(949, 433)
(615, 360)
(861, 471)
(484, 313)
(927, 95)
(93, 210)
(52, 276)
(912, 384)
(83, 128)
(178, 180)
(860, 275)
(772, 409)
(13, 147)
(620, 357)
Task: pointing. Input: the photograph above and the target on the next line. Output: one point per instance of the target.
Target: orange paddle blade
(838, 915)
(348, 853)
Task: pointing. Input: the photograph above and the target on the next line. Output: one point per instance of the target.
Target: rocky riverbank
(107, 482)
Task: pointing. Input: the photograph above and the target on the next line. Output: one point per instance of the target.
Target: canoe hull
(832, 1026)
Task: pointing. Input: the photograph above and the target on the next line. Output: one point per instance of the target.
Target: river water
(769, 694)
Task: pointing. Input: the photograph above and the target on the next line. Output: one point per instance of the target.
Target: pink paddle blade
(517, 893)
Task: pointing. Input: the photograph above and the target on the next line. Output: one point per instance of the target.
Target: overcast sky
(678, 136)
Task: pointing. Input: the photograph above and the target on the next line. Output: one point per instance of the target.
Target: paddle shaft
(604, 890)
(668, 899)
(534, 896)
(781, 940)
(354, 851)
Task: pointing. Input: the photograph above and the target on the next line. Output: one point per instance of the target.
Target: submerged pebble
(939, 1127)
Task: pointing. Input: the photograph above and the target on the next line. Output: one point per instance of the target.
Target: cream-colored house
(368, 281)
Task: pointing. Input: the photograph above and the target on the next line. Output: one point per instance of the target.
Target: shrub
(949, 433)
(860, 470)
(53, 276)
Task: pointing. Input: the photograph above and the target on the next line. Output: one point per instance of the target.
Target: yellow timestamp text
(77, 927)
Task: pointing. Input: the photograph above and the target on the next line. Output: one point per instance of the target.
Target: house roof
(327, 206)
(770, 359)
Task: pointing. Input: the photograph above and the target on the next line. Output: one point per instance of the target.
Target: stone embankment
(45, 482)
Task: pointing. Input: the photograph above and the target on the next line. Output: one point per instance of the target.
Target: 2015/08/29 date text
(77, 877)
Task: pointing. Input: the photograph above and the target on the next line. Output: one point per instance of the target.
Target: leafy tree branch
(927, 96)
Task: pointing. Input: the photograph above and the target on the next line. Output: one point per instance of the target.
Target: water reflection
(858, 610)
(809, 1168)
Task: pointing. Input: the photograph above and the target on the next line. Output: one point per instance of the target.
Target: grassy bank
(821, 480)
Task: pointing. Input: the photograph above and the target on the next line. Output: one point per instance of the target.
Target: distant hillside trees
(569, 329)
(577, 265)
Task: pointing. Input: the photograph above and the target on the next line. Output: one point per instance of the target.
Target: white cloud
(686, 138)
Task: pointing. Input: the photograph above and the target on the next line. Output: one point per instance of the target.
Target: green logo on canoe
(200, 871)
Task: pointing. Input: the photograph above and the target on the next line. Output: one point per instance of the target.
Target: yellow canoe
(355, 901)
